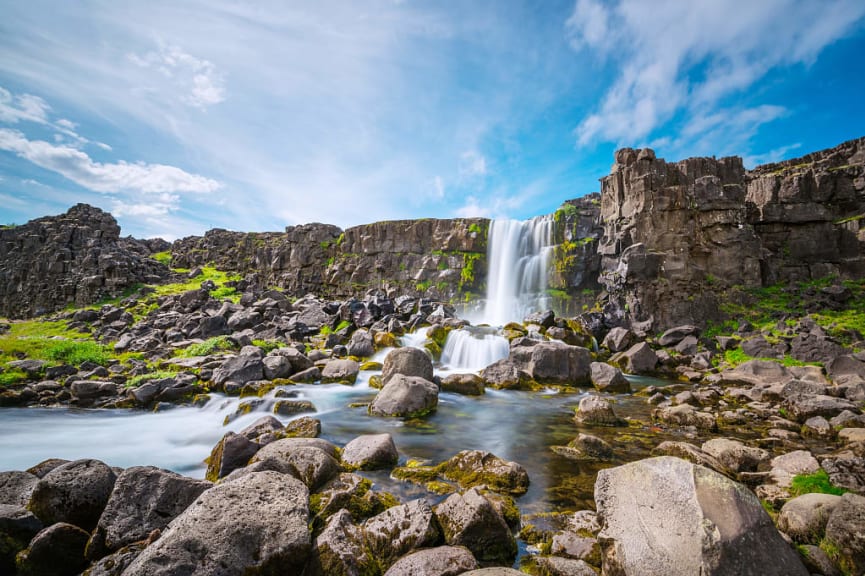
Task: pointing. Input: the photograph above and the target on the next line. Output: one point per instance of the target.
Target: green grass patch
(162, 257)
(817, 482)
(226, 293)
(11, 377)
(76, 352)
(209, 346)
(31, 339)
(207, 273)
(268, 345)
(137, 381)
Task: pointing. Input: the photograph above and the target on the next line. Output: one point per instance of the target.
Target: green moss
(267, 345)
(467, 274)
(817, 482)
(136, 381)
(475, 228)
(226, 293)
(207, 273)
(423, 286)
(11, 377)
(209, 346)
(162, 257)
(565, 212)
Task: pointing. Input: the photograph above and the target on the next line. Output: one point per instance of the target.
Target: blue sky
(183, 116)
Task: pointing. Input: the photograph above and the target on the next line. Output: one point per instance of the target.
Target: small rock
(804, 518)
(609, 379)
(439, 561)
(595, 410)
(470, 520)
(407, 396)
(370, 452)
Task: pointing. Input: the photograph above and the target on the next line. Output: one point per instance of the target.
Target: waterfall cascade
(518, 259)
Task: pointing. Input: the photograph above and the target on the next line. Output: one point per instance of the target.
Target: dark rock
(255, 523)
(400, 530)
(292, 407)
(466, 384)
(75, 493)
(361, 344)
(554, 363)
(846, 532)
(240, 369)
(309, 462)
(504, 374)
(56, 551)
(46, 466)
(609, 379)
(675, 335)
(341, 371)
(17, 528)
(233, 451)
(472, 468)
(338, 550)
(16, 487)
(638, 359)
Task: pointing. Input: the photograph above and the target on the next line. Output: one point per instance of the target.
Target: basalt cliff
(661, 245)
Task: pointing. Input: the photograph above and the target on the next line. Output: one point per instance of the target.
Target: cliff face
(75, 258)
(675, 234)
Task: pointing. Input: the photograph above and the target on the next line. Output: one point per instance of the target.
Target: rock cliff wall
(677, 234)
(75, 258)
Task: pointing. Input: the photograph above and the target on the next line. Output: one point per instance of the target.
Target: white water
(473, 349)
(519, 259)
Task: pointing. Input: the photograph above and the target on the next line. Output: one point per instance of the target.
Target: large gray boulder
(846, 532)
(472, 468)
(638, 359)
(16, 487)
(304, 458)
(338, 550)
(439, 561)
(343, 371)
(804, 518)
(361, 345)
(400, 530)
(668, 516)
(735, 455)
(254, 524)
(241, 369)
(472, 521)
(144, 499)
(609, 379)
(595, 410)
(407, 361)
(554, 363)
(407, 396)
(370, 452)
(76, 493)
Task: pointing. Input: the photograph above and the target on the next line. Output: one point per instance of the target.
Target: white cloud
(774, 155)
(686, 57)
(472, 163)
(162, 205)
(26, 107)
(472, 209)
(117, 177)
(438, 188)
(200, 83)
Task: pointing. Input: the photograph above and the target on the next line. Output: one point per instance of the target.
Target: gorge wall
(677, 234)
(659, 246)
(75, 258)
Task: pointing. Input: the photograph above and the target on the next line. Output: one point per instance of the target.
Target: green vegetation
(558, 294)
(467, 274)
(207, 273)
(268, 345)
(33, 339)
(12, 377)
(8, 226)
(137, 381)
(855, 218)
(75, 352)
(475, 228)
(737, 356)
(817, 482)
(209, 346)
(564, 212)
(226, 292)
(423, 286)
(162, 257)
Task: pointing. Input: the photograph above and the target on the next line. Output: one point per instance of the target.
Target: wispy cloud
(686, 57)
(199, 82)
(472, 163)
(78, 167)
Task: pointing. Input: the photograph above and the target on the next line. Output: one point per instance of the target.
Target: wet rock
(293, 407)
(609, 379)
(309, 375)
(407, 362)
(638, 359)
(256, 523)
(18, 526)
(598, 411)
(687, 520)
(144, 499)
(475, 467)
(554, 363)
(406, 396)
(470, 520)
(240, 369)
(361, 344)
(303, 427)
(16, 487)
(504, 375)
(341, 371)
(439, 561)
(75, 493)
(571, 545)
(262, 426)
(370, 452)
(466, 384)
(685, 415)
(591, 447)
(846, 531)
(400, 530)
(232, 452)
(804, 518)
(56, 551)
(734, 455)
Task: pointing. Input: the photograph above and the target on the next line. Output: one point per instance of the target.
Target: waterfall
(518, 260)
(473, 349)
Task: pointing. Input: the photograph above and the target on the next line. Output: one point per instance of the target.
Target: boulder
(609, 379)
(338, 550)
(685, 415)
(56, 551)
(254, 524)
(668, 516)
(342, 371)
(439, 561)
(734, 455)
(114, 564)
(407, 396)
(16, 487)
(303, 427)
(805, 406)
(554, 363)
(589, 446)
(276, 367)
(361, 344)
(618, 339)
(756, 372)
(504, 375)
(804, 518)
(370, 452)
(597, 411)
(475, 468)
(556, 566)
(75, 493)
(638, 359)
(571, 545)
(305, 458)
(407, 362)
(144, 499)
(241, 369)
(845, 531)
(786, 466)
(88, 390)
(233, 451)
(467, 384)
(18, 526)
(675, 335)
(293, 407)
(400, 530)
(470, 520)
(692, 454)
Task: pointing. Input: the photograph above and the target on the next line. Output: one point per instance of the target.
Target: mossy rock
(371, 365)
(375, 381)
(438, 334)
(433, 347)
(385, 340)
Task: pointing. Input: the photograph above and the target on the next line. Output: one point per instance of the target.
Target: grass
(76, 352)
(737, 356)
(208, 347)
(207, 273)
(267, 345)
(162, 257)
(12, 377)
(817, 482)
(137, 381)
(33, 339)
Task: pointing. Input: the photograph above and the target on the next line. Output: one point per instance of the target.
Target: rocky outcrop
(675, 234)
(74, 258)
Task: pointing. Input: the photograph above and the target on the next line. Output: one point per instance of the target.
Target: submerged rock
(475, 467)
